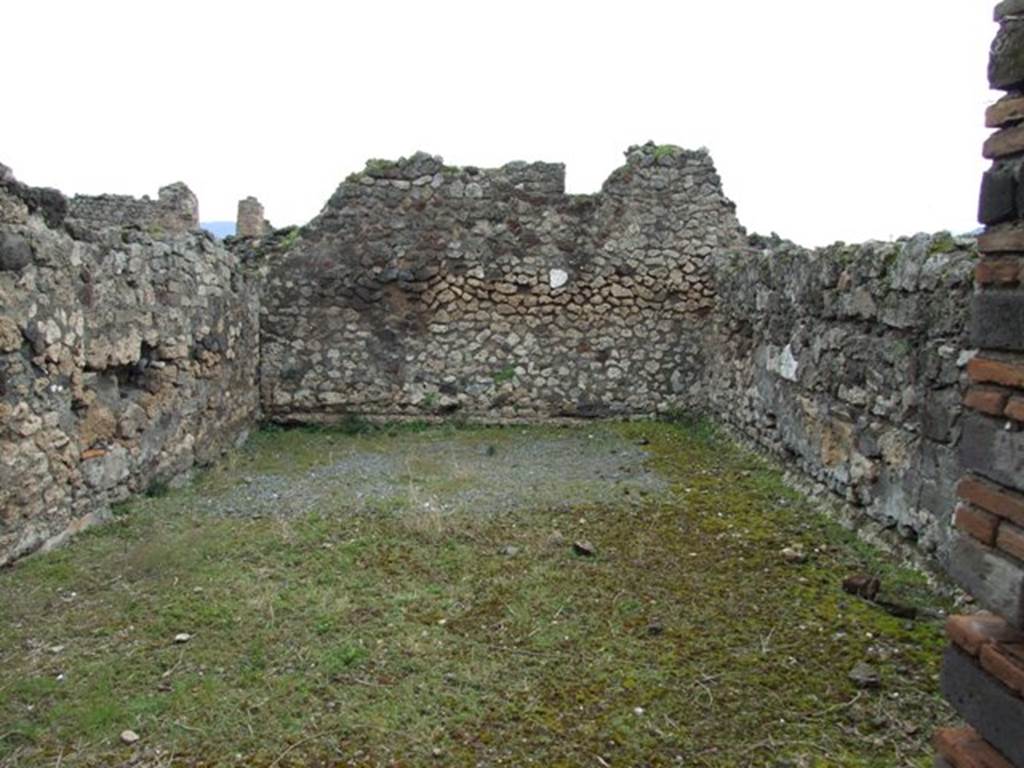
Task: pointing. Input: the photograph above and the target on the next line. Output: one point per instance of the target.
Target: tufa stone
(998, 200)
(15, 252)
(863, 675)
(1006, 57)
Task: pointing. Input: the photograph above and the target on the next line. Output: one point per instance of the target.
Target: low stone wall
(175, 210)
(124, 361)
(423, 289)
(848, 360)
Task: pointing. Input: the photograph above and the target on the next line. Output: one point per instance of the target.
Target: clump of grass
(942, 242)
(505, 374)
(377, 166)
(157, 489)
(666, 150)
(290, 238)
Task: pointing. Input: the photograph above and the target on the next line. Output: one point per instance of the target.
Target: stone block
(1006, 57)
(1005, 111)
(15, 252)
(1008, 8)
(988, 449)
(985, 703)
(995, 580)
(1007, 240)
(1005, 142)
(997, 320)
(939, 413)
(998, 199)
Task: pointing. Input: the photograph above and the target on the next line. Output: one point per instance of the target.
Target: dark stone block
(992, 451)
(995, 580)
(998, 200)
(997, 320)
(1009, 8)
(939, 413)
(1006, 58)
(15, 252)
(985, 703)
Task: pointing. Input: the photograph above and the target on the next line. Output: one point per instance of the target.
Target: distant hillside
(219, 228)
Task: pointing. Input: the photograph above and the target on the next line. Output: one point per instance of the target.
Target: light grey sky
(827, 120)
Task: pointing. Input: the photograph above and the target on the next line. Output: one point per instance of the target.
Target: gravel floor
(478, 470)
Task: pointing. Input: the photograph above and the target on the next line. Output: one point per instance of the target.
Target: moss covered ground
(453, 624)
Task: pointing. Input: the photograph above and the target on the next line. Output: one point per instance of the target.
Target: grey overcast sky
(827, 120)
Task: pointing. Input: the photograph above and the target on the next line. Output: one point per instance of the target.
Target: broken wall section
(176, 210)
(125, 359)
(423, 289)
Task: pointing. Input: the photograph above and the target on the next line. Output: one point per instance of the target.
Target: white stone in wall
(557, 278)
(783, 363)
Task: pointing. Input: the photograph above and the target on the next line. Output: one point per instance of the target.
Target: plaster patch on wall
(783, 363)
(557, 278)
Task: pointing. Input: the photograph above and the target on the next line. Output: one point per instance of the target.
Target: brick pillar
(179, 208)
(983, 668)
(250, 221)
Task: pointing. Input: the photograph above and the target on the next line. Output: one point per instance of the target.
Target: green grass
(666, 150)
(399, 637)
(506, 374)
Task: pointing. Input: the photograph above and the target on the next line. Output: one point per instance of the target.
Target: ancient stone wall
(848, 360)
(422, 289)
(175, 210)
(124, 360)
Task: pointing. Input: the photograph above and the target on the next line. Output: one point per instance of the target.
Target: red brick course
(1015, 408)
(1005, 662)
(987, 399)
(972, 632)
(984, 370)
(976, 522)
(1002, 270)
(964, 748)
(1010, 539)
(992, 498)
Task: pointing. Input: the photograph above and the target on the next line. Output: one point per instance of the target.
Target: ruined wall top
(176, 209)
(250, 221)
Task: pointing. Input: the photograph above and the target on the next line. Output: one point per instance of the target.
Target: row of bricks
(998, 647)
(991, 514)
(1000, 270)
(995, 401)
(964, 748)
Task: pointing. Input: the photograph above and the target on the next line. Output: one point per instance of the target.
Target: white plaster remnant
(785, 365)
